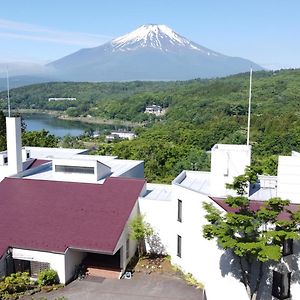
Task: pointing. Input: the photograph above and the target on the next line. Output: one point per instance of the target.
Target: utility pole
(249, 108)
(8, 99)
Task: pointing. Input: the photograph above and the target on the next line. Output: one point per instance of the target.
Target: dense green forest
(199, 114)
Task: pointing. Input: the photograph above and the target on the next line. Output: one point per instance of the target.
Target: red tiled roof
(53, 215)
(254, 206)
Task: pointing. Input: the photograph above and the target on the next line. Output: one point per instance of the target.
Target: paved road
(143, 287)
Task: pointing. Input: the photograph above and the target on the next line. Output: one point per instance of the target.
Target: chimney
(227, 162)
(14, 144)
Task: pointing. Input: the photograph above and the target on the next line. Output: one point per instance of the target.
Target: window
(127, 249)
(21, 266)
(5, 160)
(281, 285)
(287, 247)
(179, 211)
(27, 155)
(32, 267)
(179, 241)
(74, 169)
(36, 267)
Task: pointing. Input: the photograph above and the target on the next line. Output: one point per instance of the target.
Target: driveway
(142, 287)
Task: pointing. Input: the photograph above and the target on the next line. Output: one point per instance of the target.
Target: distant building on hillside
(154, 110)
(61, 99)
(120, 134)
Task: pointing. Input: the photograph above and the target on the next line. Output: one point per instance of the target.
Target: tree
(241, 182)
(139, 231)
(40, 138)
(2, 131)
(252, 237)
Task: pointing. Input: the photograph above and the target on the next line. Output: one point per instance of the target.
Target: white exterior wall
(14, 145)
(100, 170)
(123, 239)
(157, 213)
(134, 172)
(25, 153)
(227, 162)
(288, 176)
(124, 135)
(73, 258)
(199, 256)
(56, 260)
(4, 172)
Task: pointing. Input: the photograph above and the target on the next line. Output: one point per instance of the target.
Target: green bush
(14, 284)
(48, 277)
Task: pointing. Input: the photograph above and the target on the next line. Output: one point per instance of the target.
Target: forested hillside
(199, 114)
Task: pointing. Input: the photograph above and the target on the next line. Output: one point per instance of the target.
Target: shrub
(48, 277)
(14, 284)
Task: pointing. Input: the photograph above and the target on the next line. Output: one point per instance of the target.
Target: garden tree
(139, 231)
(71, 142)
(253, 237)
(40, 138)
(241, 182)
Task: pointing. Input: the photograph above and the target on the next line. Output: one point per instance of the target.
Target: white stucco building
(153, 109)
(175, 211)
(61, 207)
(120, 134)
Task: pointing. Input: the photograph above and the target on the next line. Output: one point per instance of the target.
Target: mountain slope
(151, 52)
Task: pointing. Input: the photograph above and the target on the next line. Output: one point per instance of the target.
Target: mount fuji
(151, 52)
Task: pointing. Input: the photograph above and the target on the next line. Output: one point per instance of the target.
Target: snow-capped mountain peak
(154, 36)
(151, 52)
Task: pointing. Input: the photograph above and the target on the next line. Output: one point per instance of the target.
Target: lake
(62, 128)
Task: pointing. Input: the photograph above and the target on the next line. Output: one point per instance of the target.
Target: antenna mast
(249, 108)
(8, 99)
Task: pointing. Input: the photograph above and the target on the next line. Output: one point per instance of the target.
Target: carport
(103, 265)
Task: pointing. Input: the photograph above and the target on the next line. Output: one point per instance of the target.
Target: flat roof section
(118, 168)
(194, 180)
(159, 192)
(49, 153)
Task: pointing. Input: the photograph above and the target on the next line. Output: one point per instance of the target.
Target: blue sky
(265, 31)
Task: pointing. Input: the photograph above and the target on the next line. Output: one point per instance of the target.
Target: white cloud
(18, 30)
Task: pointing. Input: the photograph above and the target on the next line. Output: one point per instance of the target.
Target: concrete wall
(288, 178)
(73, 258)
(135, 172)
(123, 239)
(157, 213)
(201, 257)
(100, 169)
(2, 266)
(227, 161)
(56, 261)
(14, 145)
